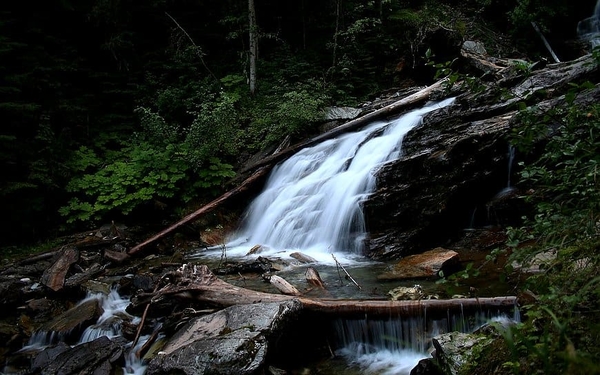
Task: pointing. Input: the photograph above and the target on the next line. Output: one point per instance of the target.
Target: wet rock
(71, 321)
(406, 293)
(425, 265)
(15, 290)
(144, 282)
(257, 249)
(474, 47)
(41, 310)
(101, 356)
(303, 258)
(260, 265)
(452, 350)
(454, 162)
(117, 257)
(427, 366)
(232, 341)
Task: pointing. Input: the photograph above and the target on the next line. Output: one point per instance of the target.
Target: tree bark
(202, 210)
(253, 46)
(389, 110)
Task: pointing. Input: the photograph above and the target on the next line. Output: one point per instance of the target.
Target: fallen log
(386, 111)
(199, 283)
(202, 210)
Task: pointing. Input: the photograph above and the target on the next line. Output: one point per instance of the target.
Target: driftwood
(201, 211)
(313, 278)
(339, 265)
(199, 283)
(303, 258)
(283, 286)
(386, 111)
(54, 277)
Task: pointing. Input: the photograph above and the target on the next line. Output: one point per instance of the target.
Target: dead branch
(202, 210)
(338, 264)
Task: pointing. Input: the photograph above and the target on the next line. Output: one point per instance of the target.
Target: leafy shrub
(561, 332)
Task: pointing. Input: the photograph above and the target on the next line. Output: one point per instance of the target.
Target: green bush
(561, 332)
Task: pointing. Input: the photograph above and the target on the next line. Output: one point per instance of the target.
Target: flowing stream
(108, 324)
(312, 203)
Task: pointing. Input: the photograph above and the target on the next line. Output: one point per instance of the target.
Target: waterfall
(396, 345)
(312, 201)
(589, 28)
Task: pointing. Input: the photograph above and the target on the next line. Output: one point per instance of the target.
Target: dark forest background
(114, 108)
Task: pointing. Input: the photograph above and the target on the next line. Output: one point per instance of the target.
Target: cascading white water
(589, 28)
(312, 201)
(108, 324)
(395, 346)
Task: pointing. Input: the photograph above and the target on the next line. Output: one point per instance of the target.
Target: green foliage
(288, 110)
(541, 12)
(142, 175)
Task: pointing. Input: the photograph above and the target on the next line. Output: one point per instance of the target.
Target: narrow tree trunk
(337, 30)
(253, 45)
(202, 210)
(389, 110)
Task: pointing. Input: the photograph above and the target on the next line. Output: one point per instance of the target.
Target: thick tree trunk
(201, 211)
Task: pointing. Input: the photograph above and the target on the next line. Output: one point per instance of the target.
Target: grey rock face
(232, 341)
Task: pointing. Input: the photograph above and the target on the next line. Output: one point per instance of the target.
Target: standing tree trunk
(253, 45)
(337, 30)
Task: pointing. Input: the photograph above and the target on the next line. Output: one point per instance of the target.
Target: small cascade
(109, 323)
(134, 365)
(511, 160)
(43, 339)
(396, 345)
(312, 201)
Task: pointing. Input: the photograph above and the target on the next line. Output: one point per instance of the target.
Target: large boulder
(457, 161)
(232, 341)
(420, 266)
(101, 356)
